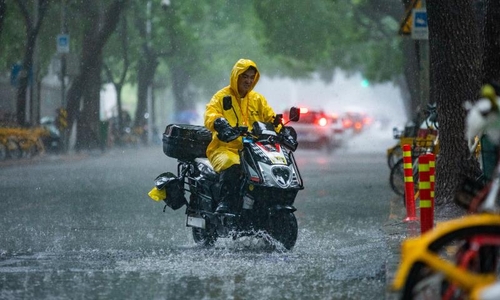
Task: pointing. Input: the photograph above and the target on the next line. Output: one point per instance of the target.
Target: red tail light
(347, 123)
(322, 122)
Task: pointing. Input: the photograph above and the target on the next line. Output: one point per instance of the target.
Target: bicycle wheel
(395, 155)
(397, 178)
(423, 282)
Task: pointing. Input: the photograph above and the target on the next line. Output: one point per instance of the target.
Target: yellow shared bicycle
(456, 260)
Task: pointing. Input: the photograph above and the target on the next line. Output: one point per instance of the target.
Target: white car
(318, 130)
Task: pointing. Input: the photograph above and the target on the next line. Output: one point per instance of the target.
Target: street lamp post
(64, 30)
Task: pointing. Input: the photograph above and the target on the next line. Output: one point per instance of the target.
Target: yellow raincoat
(253, 107)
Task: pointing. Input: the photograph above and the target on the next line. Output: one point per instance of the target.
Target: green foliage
(297, 29)
(325, 35)
(201, 40)
(12, 38)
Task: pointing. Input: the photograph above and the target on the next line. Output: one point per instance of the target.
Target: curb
(396, 230)
(44, 158)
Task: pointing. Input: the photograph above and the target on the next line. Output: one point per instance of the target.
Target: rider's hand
(225, 132)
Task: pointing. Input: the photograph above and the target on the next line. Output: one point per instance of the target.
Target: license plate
(196, 222)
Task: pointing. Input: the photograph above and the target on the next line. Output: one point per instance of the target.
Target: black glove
(225, 132)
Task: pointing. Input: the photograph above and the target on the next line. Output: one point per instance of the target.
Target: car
(338, 130)
(356, 121)
(317, 129)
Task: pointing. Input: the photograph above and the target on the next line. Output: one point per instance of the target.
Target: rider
(249, 106)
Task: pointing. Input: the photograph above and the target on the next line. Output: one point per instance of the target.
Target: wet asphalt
(395, 228)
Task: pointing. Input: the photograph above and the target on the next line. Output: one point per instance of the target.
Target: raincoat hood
(240, 67)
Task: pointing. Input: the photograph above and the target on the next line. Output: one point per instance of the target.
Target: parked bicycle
(16, 143)
(426, 141)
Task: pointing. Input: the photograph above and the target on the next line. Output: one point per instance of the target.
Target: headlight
(282, 175)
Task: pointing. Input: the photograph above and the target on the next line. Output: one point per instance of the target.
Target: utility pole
(35, 83)
(424, 69)
(420, 32)
(63, 48)
(64, 30)
(149, 100)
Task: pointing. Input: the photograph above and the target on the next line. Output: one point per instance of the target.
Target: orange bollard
(424, 187)
(409, 187)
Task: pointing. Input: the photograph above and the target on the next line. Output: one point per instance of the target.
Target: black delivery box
(185, 141)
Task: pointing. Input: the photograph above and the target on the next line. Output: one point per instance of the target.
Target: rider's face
(245, 82)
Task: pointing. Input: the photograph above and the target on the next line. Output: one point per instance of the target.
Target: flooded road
(83, 227)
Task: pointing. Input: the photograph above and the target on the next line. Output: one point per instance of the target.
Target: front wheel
(397, 178)
(394, 155)
(283, 228)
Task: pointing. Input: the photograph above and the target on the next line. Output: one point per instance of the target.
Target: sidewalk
(396, 230)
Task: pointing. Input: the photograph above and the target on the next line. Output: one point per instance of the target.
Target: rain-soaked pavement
(82, 227)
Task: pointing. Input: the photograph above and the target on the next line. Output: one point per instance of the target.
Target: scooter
(270, 183)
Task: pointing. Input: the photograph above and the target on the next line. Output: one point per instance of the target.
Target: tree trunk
(411, 71)
(32, 30)
(91, 58)
(88, 128)
(455, 71)
(3, 10)
(491, 42)
(180, 83)
(145, 76)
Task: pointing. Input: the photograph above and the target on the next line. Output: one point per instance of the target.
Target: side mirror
(227, 103)
(294, 114)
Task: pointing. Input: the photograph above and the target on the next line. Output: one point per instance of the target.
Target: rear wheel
(207, 236)
(283, 228)
(204, 236)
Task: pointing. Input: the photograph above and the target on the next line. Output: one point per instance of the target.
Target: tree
(148, 60)
(3, 10)
(352, 35)
(111, 69)
(455, 76)
(32, 26)
(86, 86)
(491, 42)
